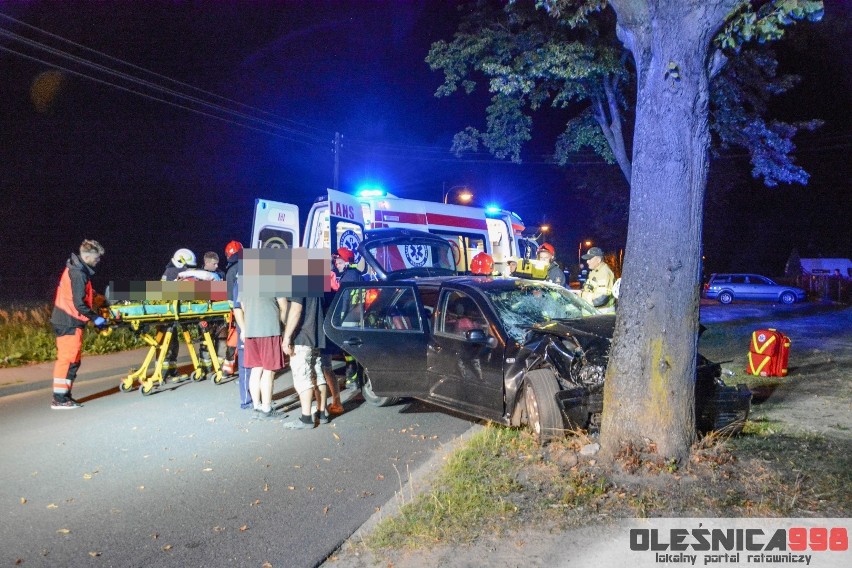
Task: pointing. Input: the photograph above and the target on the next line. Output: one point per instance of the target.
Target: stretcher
(157, 323)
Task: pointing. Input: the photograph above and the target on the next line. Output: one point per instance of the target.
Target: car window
(738, 279)
(459, 313)
(386, 308)
(758, 280)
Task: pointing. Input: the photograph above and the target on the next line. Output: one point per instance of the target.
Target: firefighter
(545, 253)
(343, 270)
(72, 309)
(598, 287)
(181, 260)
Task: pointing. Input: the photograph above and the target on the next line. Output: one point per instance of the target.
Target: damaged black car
(512, 351)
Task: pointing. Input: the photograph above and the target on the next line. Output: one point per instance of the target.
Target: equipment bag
(768, 353)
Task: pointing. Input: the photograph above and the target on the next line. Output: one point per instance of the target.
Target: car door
(381, 325)
(761, 288)
(466, 372)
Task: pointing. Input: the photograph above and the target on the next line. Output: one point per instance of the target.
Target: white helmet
(183, 257)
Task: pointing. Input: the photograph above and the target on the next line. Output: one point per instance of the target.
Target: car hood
(587, 331)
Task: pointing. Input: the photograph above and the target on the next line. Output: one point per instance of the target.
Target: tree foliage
(565, 54)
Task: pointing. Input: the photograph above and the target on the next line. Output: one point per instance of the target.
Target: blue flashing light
(492, 210)
(370, 191)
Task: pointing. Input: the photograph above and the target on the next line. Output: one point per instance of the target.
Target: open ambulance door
(275, 225)
(346, 224)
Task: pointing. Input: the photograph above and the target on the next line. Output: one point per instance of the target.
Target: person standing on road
(304, 340)
(598, 287)
(343, 270)
(72, 309)
(183, 259)
(545, 253)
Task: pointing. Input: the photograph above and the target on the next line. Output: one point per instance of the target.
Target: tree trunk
(650, 380)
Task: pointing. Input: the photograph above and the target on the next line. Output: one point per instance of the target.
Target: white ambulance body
(340, 220)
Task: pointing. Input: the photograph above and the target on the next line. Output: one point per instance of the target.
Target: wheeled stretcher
(157, 323)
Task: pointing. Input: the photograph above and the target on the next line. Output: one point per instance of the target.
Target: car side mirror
(479, 337)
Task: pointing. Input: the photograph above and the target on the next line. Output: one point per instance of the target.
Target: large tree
(569, 57)
(649, 391)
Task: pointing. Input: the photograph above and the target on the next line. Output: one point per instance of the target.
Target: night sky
(83, 159)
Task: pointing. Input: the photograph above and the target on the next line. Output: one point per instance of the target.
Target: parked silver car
(729, 287)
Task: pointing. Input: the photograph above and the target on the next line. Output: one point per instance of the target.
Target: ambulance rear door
(464, 227)
(346, 223)
(275, 225)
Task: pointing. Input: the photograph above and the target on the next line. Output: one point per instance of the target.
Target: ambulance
(339, 219)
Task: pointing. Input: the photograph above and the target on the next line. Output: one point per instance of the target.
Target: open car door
(275, 225)
(382, 325)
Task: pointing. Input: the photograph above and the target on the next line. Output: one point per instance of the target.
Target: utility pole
(337, 143)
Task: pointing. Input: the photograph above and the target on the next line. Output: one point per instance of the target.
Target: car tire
(541, 411)
(726, 297)
(788, 298)
(370, 396)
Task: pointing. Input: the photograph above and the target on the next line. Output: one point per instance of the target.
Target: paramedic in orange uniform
(72, 309)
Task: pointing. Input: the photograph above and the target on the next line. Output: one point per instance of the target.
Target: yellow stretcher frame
(175, 319)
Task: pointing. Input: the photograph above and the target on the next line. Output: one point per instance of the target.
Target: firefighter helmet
(345, 254)
(482, 264)
(183, 257)
(548, 248)
(233, 248)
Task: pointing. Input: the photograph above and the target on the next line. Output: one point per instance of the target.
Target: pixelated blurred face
(285, 273)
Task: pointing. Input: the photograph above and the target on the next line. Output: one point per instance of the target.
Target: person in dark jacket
(343, 270)
(72, 310)
(546, 252)
(181, 260)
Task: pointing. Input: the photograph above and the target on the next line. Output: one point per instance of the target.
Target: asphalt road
(184, 477)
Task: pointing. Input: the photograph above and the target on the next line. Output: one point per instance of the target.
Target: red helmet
(344, 254)
(482, 264)
(547, 247)
(233, 248)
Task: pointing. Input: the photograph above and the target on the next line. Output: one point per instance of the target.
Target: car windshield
(531, 302)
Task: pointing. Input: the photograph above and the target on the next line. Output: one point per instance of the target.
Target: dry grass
(26, 336)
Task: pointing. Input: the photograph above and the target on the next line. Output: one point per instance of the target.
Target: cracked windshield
(532, 303)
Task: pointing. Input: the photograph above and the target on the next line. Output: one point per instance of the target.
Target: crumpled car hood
(590, 328)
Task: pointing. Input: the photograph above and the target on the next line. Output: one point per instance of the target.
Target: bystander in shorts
(306, 365)
(264, 352)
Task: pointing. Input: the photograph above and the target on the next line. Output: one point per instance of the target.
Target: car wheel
(726, 298)
(788, 298)
(370, 396)
(542, 413)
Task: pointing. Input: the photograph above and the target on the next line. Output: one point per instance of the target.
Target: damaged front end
(578, 353)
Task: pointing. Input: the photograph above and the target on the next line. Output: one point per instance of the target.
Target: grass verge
(26, 336)
(501, 479)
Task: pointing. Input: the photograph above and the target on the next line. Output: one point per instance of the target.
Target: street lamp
(464, 196)
(580, 252)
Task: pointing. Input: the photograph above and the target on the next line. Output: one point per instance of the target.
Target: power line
(123, 62)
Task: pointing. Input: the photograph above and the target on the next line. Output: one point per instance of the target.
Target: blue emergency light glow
(370, 191)
(492, 210)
